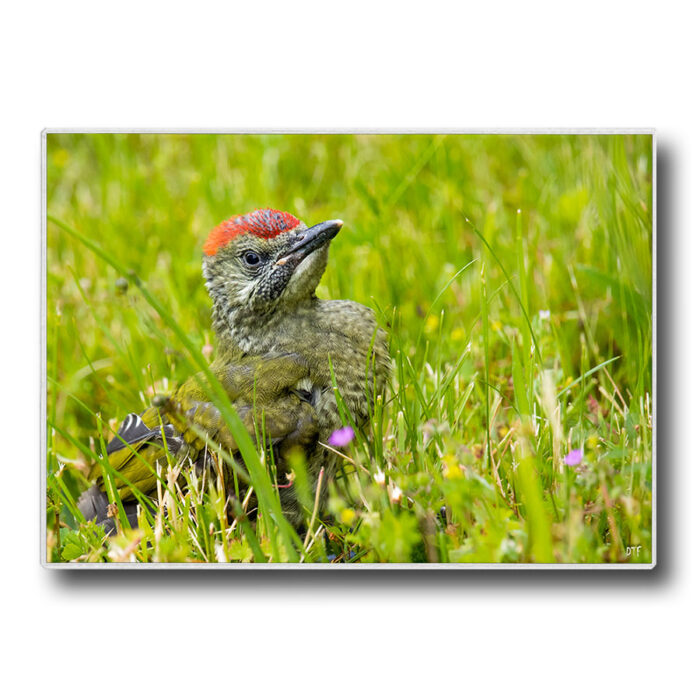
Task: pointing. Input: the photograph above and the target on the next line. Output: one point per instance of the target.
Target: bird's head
(266, 260)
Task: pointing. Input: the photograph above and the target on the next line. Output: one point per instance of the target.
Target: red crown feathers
(264, 223)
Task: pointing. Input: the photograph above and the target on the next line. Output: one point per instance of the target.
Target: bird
(281, 355)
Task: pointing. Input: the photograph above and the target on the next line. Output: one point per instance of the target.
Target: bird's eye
(251, 258)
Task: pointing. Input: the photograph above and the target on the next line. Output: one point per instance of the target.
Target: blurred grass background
(498, 373)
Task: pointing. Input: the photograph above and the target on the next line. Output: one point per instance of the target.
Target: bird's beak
(309, 240)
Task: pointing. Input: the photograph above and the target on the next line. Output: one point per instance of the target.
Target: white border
(330, 566)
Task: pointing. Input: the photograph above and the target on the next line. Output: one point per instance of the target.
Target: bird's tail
(93, 504)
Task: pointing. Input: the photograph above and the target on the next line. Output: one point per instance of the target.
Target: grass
(513, 272)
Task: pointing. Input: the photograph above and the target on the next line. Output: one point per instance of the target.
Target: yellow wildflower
(347, 516)
(458, 335)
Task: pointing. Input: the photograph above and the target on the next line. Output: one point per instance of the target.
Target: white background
(371, 65)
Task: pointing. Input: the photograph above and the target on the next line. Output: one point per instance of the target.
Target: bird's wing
(138, 445)
(134, 431)
(261, 391)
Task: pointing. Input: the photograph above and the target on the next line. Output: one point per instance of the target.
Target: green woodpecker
(276, 344)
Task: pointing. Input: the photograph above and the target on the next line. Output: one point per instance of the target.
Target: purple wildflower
(573, 458)
(341, 437)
